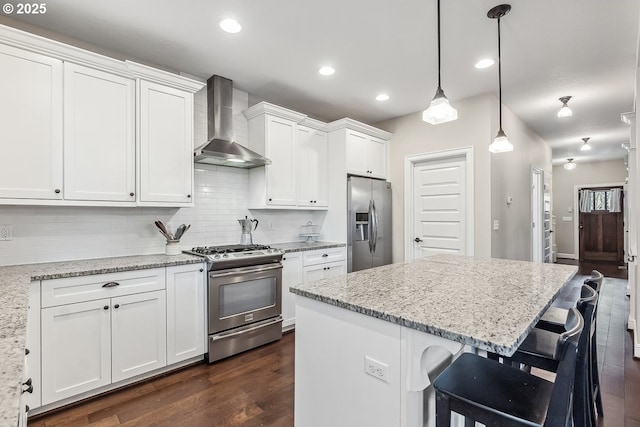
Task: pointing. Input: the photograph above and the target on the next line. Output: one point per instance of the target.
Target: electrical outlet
(496, 225)
(376, 369)
(6, 232)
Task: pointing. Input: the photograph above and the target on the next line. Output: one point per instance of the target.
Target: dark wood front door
(602, 236)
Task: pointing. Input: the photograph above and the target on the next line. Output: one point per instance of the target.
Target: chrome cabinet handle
(417, 240)
(111, 285)
(324, 255)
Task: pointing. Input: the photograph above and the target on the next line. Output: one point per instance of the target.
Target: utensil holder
(173, 247)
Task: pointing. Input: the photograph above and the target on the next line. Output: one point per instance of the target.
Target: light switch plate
(496, 225)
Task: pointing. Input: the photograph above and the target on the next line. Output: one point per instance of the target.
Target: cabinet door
(312, 150)
(281, 150)
(138, 334)
(335, 269)
(377, 157)
(291, 275)
(166, 145)
(357, 152)
(99, 135)
(30, 125)
(186, 334)
(76, 349)
(316, 272)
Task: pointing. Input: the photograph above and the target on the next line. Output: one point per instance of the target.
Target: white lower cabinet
(307, 266)
(76, 349)
(291, 275)
(186, 301)
(138, 334)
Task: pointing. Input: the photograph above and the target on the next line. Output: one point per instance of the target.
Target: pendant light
(569, 165)
(585, 146)
(500, 144)
(565, 111)
(439, 111)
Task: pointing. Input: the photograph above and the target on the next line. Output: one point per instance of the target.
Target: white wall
(413, 136)
(564, 182)
(511, 176)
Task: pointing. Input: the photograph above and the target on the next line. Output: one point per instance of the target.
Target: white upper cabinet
(99, 141)
(365, 147)
(68, 120)
(312, 167)
(298, 150)
(366, 155)
(166, 145)
(30, 125)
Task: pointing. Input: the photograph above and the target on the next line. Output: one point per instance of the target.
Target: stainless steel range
(244, 297)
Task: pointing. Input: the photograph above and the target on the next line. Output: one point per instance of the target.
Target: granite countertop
(14, 296)
(303, 246)
(490, 304)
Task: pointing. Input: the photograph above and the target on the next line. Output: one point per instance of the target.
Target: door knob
(417, 240)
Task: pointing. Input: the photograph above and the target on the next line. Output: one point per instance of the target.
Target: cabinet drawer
(87, 288)
(322, 256)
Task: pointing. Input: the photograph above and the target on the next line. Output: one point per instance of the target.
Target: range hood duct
(221, 149)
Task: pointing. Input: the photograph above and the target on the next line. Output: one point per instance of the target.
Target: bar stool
(492, 393)
(537, 350)
(553, 320)
(554, 317)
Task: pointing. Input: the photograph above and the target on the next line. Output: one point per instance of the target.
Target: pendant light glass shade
(439, 111)
(500, 144)
(569, 165)
(565, 111)
(585, 146)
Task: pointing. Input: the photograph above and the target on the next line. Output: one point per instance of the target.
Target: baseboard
(566, 256)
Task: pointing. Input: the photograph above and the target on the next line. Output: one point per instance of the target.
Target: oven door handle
(258, 325)
(245, 270)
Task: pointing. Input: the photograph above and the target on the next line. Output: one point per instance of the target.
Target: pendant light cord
(439, 87)
(499, 77)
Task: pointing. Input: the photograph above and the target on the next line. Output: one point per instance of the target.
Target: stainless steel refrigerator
(369, 228)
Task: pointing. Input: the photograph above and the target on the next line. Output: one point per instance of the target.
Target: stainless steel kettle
(247, 228)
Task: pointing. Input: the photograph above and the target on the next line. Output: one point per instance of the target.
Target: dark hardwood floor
(256, 387)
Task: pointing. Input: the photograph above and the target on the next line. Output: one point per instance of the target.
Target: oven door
(240, 296)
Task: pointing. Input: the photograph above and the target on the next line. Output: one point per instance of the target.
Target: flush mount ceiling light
(585, 146)
(565, 111)
(326, 70)
(500, 144)
(439, 111)
(382, 97)
(484, 63)
(230, 26)
(569, 165)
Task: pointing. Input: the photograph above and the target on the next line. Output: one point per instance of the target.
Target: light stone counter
(489, 304)
(303, 246)
(14, 295)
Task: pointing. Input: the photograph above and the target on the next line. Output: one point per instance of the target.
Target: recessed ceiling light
(382, 97)
(230, 25)
(484, 63)
(326, 70)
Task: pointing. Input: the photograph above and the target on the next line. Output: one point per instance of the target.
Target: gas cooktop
(237, 255)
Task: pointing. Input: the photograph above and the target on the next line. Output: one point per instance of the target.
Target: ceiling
(550, 48)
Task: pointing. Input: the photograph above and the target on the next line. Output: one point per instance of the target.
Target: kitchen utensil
(163, 230)
(180, 231)
(247, 228)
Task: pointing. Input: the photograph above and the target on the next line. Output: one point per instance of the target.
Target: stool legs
(595, 378)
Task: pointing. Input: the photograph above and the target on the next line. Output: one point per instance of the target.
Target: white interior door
(439, 204)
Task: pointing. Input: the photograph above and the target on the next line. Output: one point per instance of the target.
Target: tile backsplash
(52, 233)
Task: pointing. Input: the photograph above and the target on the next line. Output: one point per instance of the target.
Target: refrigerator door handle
(375, 226)
(370, 226)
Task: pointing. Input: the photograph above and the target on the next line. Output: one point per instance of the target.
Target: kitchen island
(369, 344)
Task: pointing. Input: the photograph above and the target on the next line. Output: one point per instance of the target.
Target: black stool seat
(499, 391)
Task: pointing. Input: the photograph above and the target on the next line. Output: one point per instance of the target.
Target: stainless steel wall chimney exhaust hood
(221, 149)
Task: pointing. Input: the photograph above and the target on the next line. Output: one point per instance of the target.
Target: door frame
(576, 212)
(537, 214)
(410, 161)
